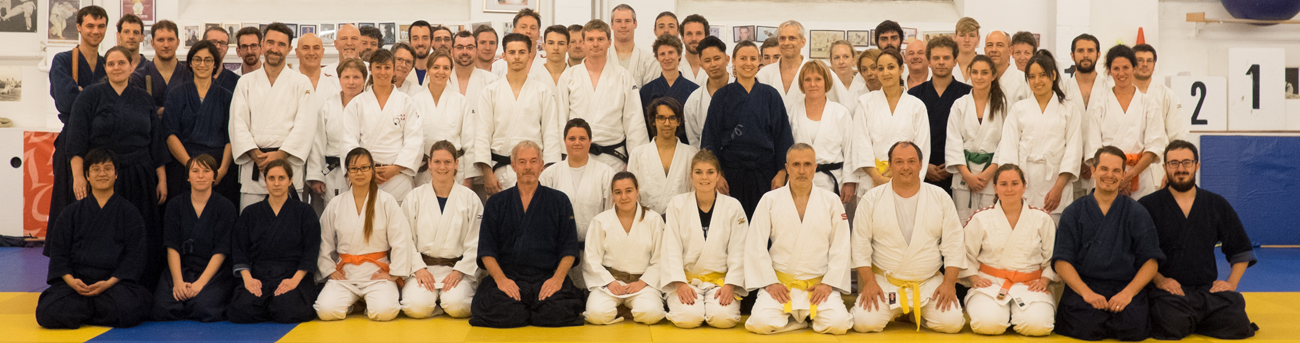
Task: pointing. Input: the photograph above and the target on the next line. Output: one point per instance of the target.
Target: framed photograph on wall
(148, 37)
(361, 25)
(716, 30)
(19, 16)
(932, 34)
(232, 28)
(474, 26)
(509, 6)
(140, 8)
(63, 20)
(305, 29)
(404, 33)
(860, 38)
(390, 32)
(326, 34)
(819, 46)
(192, 34)
(743, 33)
(764, 32)
(909, 34)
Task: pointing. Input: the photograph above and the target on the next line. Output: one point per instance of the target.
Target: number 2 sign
(1256, 99)
(1204, 101)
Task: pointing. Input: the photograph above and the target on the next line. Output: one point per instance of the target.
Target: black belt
(257, 173)
(826, 169)
(331, 163)
(500, 160)
(597, 150)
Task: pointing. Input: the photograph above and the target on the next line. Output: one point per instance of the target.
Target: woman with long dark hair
(1043, 136)
(974, 131)
(197, 118)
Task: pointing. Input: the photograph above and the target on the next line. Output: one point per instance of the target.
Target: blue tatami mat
(24, 270)
(189, 331)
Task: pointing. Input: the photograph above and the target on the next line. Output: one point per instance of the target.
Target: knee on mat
(456, 309)
(870, 321)
(600, 316)
(332, 312)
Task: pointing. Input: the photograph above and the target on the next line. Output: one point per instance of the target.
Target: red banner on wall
(38, 181)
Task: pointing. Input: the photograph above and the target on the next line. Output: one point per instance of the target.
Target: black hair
(1182, 144)
(694, 18)
(97, 156)
(711, 42)
(249, 30)
(887, 26)
(560, 29)
(419, 23)
(1120, 51)
(516, 38)
(95, 12)
(1113, 151)
(169, 25)
(652, 110)
(129, 19)
(997, 99)
(202, 45)
(1075, 43)
(1144, 47)
(576, 122)
(1044, 59)
(281, 28)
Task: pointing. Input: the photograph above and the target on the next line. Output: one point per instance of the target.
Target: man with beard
(938, 94)
(70, 72)
(576, 53)
(222, 78)
(918, 66)
(1084, 50)
(666, 24)
(422, 39)
(371, 40)
(165, 72)
(1190, 221)
(997, 46)
(271, 117)
(693, 30)
(889, 34)
(347, 41)
(485, 38)
(1106, 251)
(249, 49)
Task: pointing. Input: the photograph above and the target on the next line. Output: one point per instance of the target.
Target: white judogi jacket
(448, 233)
(857, 89)
(831, 138)
(695, 111)
(685, 68)
(409, 88)
(342, 232)
(816, 246)
(657, 188)
(1044, 143)
(479, 79)
(447, 119)
(393, 134)
(590, 198)
(937, 240)
(500, 67)
(612, 107)
(1140, 129)
(632, 252)
(1170, 110)
(967, 133)
(771, 75)
(1014, 86)
(1073, 95)
(329, 142)
(878, 129)
(263, 115)
(504, 120)
(991, 240)
(641, 65)
(687, 252)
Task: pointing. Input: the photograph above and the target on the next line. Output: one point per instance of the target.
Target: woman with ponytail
(1042, 134)
(366, 248)
(974, 130)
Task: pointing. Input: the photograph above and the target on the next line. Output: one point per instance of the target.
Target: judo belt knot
(374, 257)
(332, 163)
(976, 159)
(1132, 160)
(827, 169)
(597, 149)
(1011, 277)
(257, 172)
(912, 306)
(882, 167)
(501, 161)
(625, 277)
(806, 285)
(438, 261)
(716, 278)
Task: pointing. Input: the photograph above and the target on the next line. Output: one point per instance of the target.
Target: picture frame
(22, 16)
(390, 33)
(762, 33)
(304, 29)
(232, 28)
(509, 6)
(861, 38)
(327, 34)
(192, 34)
(927, 35)
(146, 44)
(292, 28)
(207, 26)
(140, 8)
(474, 26)
(716, 30)
(819, 46)
(361, 25)
(743, 33)
(404, 33)
(909, 34)
(62, 20)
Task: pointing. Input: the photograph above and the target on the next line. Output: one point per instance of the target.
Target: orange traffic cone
(1142, 38)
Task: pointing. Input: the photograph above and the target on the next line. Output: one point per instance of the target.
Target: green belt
(976, 158)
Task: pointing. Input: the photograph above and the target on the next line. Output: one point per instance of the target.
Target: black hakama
(272, 248)
(197, 238)
(202, 126)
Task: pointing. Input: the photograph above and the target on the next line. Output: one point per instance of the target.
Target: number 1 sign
(1256, 99)
(1204, 101)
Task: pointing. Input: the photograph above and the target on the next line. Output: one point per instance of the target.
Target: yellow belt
(806, 285)
(716, 278)
(882, 167)
(903, 287)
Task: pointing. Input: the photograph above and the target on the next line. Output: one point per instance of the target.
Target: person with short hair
(97, 256)
(666, 24)
(527, 244)
(467, 79)
(1168, 108)
(387, 123)
(445, 219)
(575, 54)
(639, 63)
(1107, 251)
(70, 73)
(556, 43)
(797, 257)
(693, 30)
(918, 65)
(528, 23)
(372, 40)
(1190, 221)
(1085, 52)
(130, 31)
(520, 108)
(880, 126)
(606, 96)
(347, 42)
(197, 120)
(888, 34)
(446, 116)
(586, 184)
(403, 63)
(222, 77)
(826, 126)
(621, 259)
(662, 166)
(325, 173)
(939, 94)
(904, 233)
(249, 49)
(716, 66)
(967, 36)
(998, 48)
(671, 82)
(485, 46)
(196, 232)
(165, 73)
(423, 42)
(1023, 47)
(1130, 120)
(770, 52)
(785, 75)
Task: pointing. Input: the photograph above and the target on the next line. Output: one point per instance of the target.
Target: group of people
(434, 177)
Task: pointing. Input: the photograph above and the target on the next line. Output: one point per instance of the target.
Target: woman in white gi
(365, 247)
(842, 58)
(621, 263)
(386, 122)
(444, 218)
(1012, 244)
(974, 130)
(885, 117)
(704, 274)
(445, 117)
(1042, 136)
(325, 172)
(585, 183)
(1131, 121)
(825, 125)
(664, 163)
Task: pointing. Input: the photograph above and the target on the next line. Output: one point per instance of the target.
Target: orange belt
(1132, 160)
(374, 257)
(1011, 277)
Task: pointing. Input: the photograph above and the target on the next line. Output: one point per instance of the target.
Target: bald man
(918, 67)
(310, 50)
(347, 42)
(997, 46)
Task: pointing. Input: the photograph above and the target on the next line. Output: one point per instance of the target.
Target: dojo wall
(1057, 21)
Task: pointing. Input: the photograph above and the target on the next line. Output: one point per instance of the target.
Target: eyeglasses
(203, 61)
(442, 39)
(405, 62)
(361, 169)
(665, 119)
(248, 46)
(219, 42)
(1185, 164)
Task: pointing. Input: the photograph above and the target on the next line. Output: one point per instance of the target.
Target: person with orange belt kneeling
(363, 228)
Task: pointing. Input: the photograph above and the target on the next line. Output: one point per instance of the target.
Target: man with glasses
(1190, 221)
(221, 77)
(249, 49)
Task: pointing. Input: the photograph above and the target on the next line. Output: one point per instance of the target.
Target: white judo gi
(704, 263)
(695, 111)
(969, 136)
(832, 140)
(908, 272)
(447, 119)
(1014, 86)
(389, 247)
(641, 65)
(803, 254)
(271, 116)
(636, 252)
(879, 128)
(328, 146)
(479, 79)
(657, 187)
(1139, 129)
(1026, 248)
(612, 107)
(1045, 144)
(771, 75)
(504, 120)
(443, 233)
(1175, 122)
(392, 132)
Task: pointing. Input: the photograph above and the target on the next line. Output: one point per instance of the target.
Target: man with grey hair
(785, 75)
(527, 243)
(347, 42)
(638, 62)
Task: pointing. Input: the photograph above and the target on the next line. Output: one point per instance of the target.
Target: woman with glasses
(403, 63)
(663, 165)
(197, 116)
